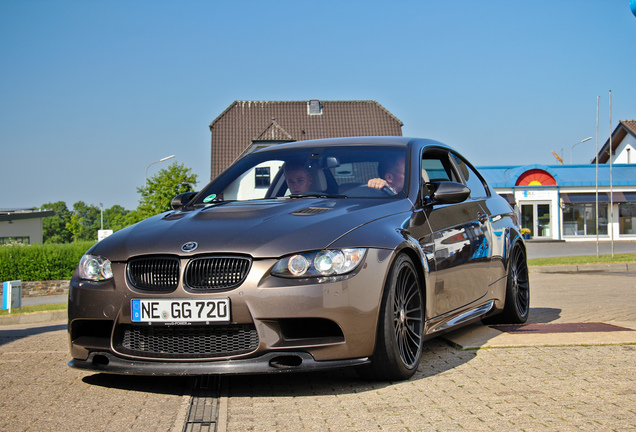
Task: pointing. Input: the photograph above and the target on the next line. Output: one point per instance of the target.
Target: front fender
(387, 234)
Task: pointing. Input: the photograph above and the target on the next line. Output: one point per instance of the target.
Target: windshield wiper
(315, 195)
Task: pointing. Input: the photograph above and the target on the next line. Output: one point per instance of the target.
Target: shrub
(40, 262)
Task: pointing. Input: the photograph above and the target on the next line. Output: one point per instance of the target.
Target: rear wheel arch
(517, 292)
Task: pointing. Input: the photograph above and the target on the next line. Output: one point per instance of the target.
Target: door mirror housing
(448, 192)
(182, 200)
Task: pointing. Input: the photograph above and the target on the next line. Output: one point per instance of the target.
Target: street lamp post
(160, 160)
(572, 150)
(101, 214)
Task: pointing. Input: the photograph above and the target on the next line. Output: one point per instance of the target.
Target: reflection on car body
(247, 277)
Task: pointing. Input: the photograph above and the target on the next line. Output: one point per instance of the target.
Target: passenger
(391, 171)
(298, 178)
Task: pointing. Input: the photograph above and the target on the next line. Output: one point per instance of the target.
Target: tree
(54, 227)
(133, 217)
(157, 193)
(115, 218)
(74, 226)
(89, 220)
(83, 221)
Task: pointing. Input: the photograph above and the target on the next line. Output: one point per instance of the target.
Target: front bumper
(273, 362)
(288, 324)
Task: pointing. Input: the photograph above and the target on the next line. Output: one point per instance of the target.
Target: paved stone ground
(39, 392)
(531, 388)
(559, 388)
(518, 389)
(582, 297)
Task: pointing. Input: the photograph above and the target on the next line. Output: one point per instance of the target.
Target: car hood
(260, 228)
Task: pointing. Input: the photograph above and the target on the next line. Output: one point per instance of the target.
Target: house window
(314, 107)
(262, 177)
(580, 219)
(7, 240)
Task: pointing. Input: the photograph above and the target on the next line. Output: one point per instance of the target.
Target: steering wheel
(389, 190)
(364, 191)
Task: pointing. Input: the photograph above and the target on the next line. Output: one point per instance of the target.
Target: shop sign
(535, 194)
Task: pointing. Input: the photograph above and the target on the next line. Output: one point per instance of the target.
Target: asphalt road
(540, 384)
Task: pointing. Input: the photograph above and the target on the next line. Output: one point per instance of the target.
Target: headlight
(95, 268)
(322, 263)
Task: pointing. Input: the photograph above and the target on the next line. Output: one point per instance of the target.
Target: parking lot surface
(552, 380)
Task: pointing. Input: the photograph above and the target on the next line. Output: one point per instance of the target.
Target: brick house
(246, 125)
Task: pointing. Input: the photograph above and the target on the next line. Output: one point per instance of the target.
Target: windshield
(338, 172)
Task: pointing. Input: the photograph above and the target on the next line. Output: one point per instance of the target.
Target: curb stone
(586, 268)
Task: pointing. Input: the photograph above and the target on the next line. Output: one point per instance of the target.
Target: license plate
(181, 311)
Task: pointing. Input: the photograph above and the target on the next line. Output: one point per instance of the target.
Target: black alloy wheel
(400, 330)
(517, 305)
(519, 284)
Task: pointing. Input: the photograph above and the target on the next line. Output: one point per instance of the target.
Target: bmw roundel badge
(189, 246)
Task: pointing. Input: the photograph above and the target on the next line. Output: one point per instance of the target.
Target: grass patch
(587, 259)
(34, 308)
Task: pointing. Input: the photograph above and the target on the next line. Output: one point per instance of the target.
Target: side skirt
(456, 319)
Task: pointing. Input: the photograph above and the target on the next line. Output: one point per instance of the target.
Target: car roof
(396, 141)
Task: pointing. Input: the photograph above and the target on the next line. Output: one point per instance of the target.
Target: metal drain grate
(591, 327)
(204, 406)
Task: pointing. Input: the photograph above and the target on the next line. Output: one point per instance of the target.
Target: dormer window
(314, 107)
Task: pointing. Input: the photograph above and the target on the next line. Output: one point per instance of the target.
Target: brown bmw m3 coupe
(347, 252)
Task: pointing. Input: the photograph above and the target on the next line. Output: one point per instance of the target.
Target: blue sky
(92, 92)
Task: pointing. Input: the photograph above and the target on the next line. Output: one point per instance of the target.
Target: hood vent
(308, 211)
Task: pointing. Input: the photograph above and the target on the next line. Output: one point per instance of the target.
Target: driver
(298, 178)
(391, 171)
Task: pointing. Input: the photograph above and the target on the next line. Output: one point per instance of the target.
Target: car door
(456, 237)
(480, 194)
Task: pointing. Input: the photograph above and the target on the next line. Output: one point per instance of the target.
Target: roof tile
(244, 122)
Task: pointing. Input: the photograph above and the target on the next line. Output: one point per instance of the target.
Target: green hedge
(40, 262)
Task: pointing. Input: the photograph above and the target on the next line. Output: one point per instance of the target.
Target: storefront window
(626, 215)
(580, 219)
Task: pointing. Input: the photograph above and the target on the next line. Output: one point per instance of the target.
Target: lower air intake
(188, 342)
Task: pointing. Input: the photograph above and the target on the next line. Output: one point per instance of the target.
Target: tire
(399, 337)
(517, 303)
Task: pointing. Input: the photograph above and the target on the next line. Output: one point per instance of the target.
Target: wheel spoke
(407, 315)
(521, 286)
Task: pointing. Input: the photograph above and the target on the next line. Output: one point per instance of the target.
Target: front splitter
(277, 362)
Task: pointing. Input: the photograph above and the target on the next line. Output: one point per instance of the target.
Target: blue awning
(618, 197)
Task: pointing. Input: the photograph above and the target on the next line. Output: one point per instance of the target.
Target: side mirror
(448, 192)
(181, 200)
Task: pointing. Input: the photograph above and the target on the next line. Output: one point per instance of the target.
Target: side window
(434, 170)
(473, 181)
(437, 166)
